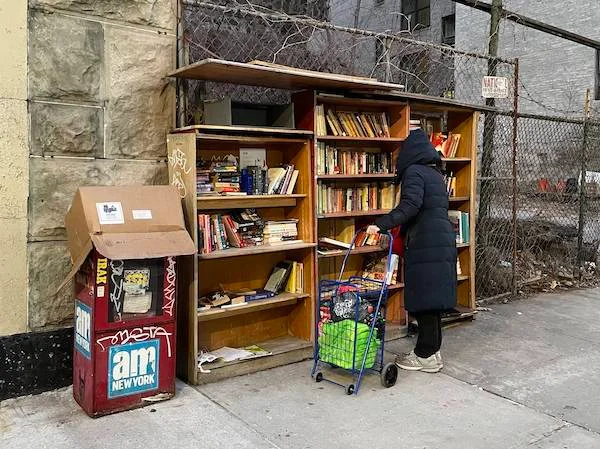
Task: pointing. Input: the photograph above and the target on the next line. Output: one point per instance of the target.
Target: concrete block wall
(554, 71)
(99, 111)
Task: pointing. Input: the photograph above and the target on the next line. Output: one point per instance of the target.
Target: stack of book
(203, 184)
(364, 197)
(460, 223)
(450, 180)
(333, 161)
(280, 231)
(238, 229)
(282, 180)
(225, 177)
(446, 145)
(354, 124)
(254, 180)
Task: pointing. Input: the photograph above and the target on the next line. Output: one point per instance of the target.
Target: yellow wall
(14, 166)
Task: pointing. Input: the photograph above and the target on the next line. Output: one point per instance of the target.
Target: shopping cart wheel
(350, 389)
(389, 375)
(319, 377)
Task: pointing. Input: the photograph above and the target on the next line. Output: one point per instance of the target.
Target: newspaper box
(123, 243)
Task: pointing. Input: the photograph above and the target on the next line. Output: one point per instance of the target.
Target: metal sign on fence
(494, 87)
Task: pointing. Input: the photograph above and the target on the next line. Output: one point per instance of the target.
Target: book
(354, 123)
(360, 197)
(292, 183)
(275, 176)
(258, 295)
(326, 241)
(290, 285)
(455, 220)
(376, 268)
(279, 276)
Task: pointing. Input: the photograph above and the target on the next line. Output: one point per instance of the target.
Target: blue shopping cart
(350, 327)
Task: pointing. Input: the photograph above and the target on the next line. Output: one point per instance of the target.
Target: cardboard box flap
(77, 263)
(144, 245)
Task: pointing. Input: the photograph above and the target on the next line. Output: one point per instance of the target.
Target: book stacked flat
(363, 197)
(203, 184)
(225, 177)
(280, 231)
(333, 161)
(356, 124)
(282, 180)
(460, 224)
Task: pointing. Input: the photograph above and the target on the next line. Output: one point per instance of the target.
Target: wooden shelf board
(398, 286)
(220, 138)
(461, 160)
(361, 139)
(364, 176)
(353, 101)
(275, 76)
(462, 277)
(459, 199)
(251, 250)
(463, 245)
(211, 202)
(281, 300)
(355, 251)
(285, 350)
(243, 129)
(361, 213)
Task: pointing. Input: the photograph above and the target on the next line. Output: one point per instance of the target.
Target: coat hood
(416, 150)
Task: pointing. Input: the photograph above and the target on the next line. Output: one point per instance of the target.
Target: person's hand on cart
(373, 229)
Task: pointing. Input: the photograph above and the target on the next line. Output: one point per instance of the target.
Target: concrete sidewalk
(522, 376)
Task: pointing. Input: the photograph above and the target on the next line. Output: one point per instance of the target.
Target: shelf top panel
(255, 130)
(362, 139)
(363, 176)
(263, 74)
(252, 250)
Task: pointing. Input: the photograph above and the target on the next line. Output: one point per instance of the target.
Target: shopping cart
(350, 327)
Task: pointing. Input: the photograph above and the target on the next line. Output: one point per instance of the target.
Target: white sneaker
(411, 362)
(438, 356)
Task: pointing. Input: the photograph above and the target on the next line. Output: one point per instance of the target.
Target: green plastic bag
(336, 344)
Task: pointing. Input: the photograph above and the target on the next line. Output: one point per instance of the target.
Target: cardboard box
(123, 243)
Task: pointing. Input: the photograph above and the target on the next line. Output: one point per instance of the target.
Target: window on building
(448, 29)
(417, 13)
(597, 74)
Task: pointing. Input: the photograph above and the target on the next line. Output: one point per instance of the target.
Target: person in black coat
(430, 247)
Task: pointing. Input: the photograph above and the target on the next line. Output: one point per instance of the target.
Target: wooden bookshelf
(275, 320)
(284, 325)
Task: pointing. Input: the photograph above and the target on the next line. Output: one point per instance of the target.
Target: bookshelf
(308, 106)
(284, 324)
(281, 324)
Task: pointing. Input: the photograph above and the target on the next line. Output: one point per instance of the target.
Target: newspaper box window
(124, 242)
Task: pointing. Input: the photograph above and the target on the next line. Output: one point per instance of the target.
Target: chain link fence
(534, 230)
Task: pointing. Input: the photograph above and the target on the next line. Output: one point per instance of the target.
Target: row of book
(333, 161)
(446, 145)
(351, 123)
(242, 228)
(286, 276)
(450, 180)
(225, 178)
(329, 245)
(238, 229)
(362, 197)
(460, 224)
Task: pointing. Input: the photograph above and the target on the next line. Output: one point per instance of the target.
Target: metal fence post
(582, 185)
(514, 176)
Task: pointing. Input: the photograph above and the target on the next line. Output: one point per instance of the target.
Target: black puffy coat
(430, 253)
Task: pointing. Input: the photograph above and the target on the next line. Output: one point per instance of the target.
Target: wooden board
(358, 177)
(253, 250)
(371, 140)
(356, 213)
(214, 202)
(238, 129)
(280, 77)
(281, 300)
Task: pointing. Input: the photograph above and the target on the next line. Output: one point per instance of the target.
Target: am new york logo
(133, 368)
(83, 329)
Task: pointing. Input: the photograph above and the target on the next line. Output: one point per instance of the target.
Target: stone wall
(100, 109)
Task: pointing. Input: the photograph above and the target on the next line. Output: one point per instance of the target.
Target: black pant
(429, 340)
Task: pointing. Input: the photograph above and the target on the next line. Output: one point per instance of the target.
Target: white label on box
(142, 214)
(100, 291)
(110, 213)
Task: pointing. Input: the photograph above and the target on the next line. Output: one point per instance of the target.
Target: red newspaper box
(123, 243)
